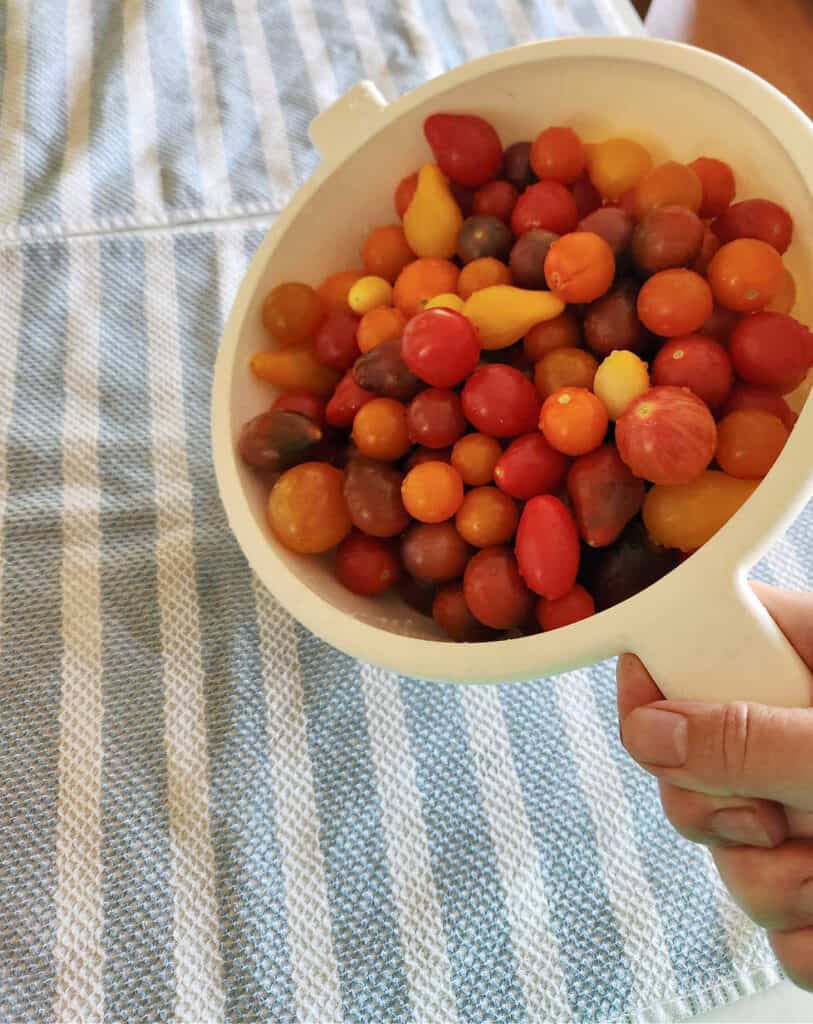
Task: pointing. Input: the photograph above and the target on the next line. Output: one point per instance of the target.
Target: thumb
(723, 749)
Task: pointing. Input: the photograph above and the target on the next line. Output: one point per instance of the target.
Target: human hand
(738, 778)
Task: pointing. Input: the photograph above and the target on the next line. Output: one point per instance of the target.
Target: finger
(774, 887)
(726, 749)
(635, 685)
(793, 613)
(794, 950)
(723, 820)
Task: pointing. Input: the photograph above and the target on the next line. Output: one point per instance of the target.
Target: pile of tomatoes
(561, 373)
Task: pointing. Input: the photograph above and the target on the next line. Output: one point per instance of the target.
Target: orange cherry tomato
(432, 492)
(380, 430)
(381, 324)
(421, 280)
(292, 313)
(333, 291)
(487, 517)
(746, 274)
(386, 252)
(669, 184)
(404, 193)
(565, 367)
(574, 421)
(749, 441)
(557, 154)
(563, 331)
(474, 457)
(482, 273)
(718, 184)
(674, 302)
(306, 508)
(579, 267)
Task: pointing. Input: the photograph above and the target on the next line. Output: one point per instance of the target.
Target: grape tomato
(530, 466)
(547, 547)
(576, 605)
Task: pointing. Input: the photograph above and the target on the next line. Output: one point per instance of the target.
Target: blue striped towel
(206, 815)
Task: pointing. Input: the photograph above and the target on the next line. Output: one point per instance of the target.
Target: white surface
(783, 1003)
(670, 95)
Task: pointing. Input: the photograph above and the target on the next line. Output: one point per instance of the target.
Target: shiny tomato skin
(499, 401)
(466, 147)
(547, 547)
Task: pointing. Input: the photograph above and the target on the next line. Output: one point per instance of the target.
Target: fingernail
(805, 901)
(659, 738)
(740, 825)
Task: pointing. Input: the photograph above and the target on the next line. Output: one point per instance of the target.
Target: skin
(738, 778)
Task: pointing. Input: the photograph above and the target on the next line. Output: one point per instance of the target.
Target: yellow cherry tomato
(503, 314)
(432, 220)
(447, 300)
(621, 377)
(685, 516)
(368, 293)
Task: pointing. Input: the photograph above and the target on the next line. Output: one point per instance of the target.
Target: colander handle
(348, 122)
(724, 647)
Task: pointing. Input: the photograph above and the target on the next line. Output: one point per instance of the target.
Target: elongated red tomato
(547, 547)
(466, 147)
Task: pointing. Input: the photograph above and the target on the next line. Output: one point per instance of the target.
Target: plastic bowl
(699, 629)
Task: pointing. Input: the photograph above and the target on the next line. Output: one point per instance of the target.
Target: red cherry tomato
(667, 436)
(718, 183)
(435, 418)
(720, 324)
(500, 402)
(530, 466)
(605, 495)
(756, 218)
(577, 604)
(547, 547)
(450, 611)
(346, 401)
(305, 402)
(547, 205)
(557, 154)
(335, 342)
(674, 302)
(494, 590)
(496, 199)
(440, 346)
(587, 197)
(698, 363)
(466, 147)
(771, 350)
(367, 565)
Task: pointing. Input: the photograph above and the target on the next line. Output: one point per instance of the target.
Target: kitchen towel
(207, 814)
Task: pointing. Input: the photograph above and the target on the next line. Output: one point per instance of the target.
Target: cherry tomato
(500, 402)
(667, 436)
(434, 552)
(466, 147)
(547, 547)
(366, 565)
(746, 396)
(720, 324)
(474, 457)
(516, 165)
(621, 377)
(674, 302)
(564, 368)
(432, 492)
(771, 350)
(577, 604)
(294, 368)
(547, 205)
(483, 236)
(417, 594)
(574, 421)
(698, 363)
(527, 259)
(579, 267)
(386, 252)
(307, 403)
(687, 515)
(385, 323)
(292, 312)
(530, 466)
(669, 184)
(708, 247)
(557, 154)
(717, 181)
(421, 280)
(372, 493)
(746, 274)
(749, 442)
(278, 439)
(612, 224)
(441, 347)
(587, 196)
(464, 197)
(346, 401)
(604, 495)
(756, 218)
(335, 343)
(383, 371)
(617, 165)
(785, 298)
(333, 291)
(482, 273)
(404, 192)
(306, 508)
(380, 429)
(562, 331)
(452, 614)
(668, 236)
(435, 418)
(496, 199)
(630, 565)
(612, 322)
(419, 455)
(494, 590)
(487, 517)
